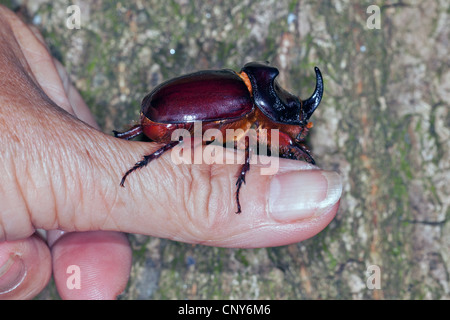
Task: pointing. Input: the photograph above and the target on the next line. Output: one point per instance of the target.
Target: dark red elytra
(224, 99)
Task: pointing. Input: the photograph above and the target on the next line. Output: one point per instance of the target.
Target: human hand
(59, 172)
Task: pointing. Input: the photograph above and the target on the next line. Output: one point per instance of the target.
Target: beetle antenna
(310, 105)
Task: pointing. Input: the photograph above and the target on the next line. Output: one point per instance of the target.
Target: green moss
(240, 255)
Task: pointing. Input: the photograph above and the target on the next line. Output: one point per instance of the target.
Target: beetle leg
(241, 178)
(149, 158)
(306, 153)
(129, 134)
(296, 152)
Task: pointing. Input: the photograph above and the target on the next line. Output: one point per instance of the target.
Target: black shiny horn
(313, 102)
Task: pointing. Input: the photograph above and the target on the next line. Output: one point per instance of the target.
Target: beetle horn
(313, 102)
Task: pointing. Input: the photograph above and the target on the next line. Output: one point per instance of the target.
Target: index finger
(38, 60)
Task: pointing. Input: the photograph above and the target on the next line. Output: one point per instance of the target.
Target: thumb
(196, 203)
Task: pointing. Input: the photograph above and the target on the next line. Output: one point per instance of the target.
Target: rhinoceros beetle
(225, 99)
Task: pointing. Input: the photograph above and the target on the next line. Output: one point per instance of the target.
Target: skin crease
(59, 172)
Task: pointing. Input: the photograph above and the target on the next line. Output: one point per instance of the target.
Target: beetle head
(275, 102)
